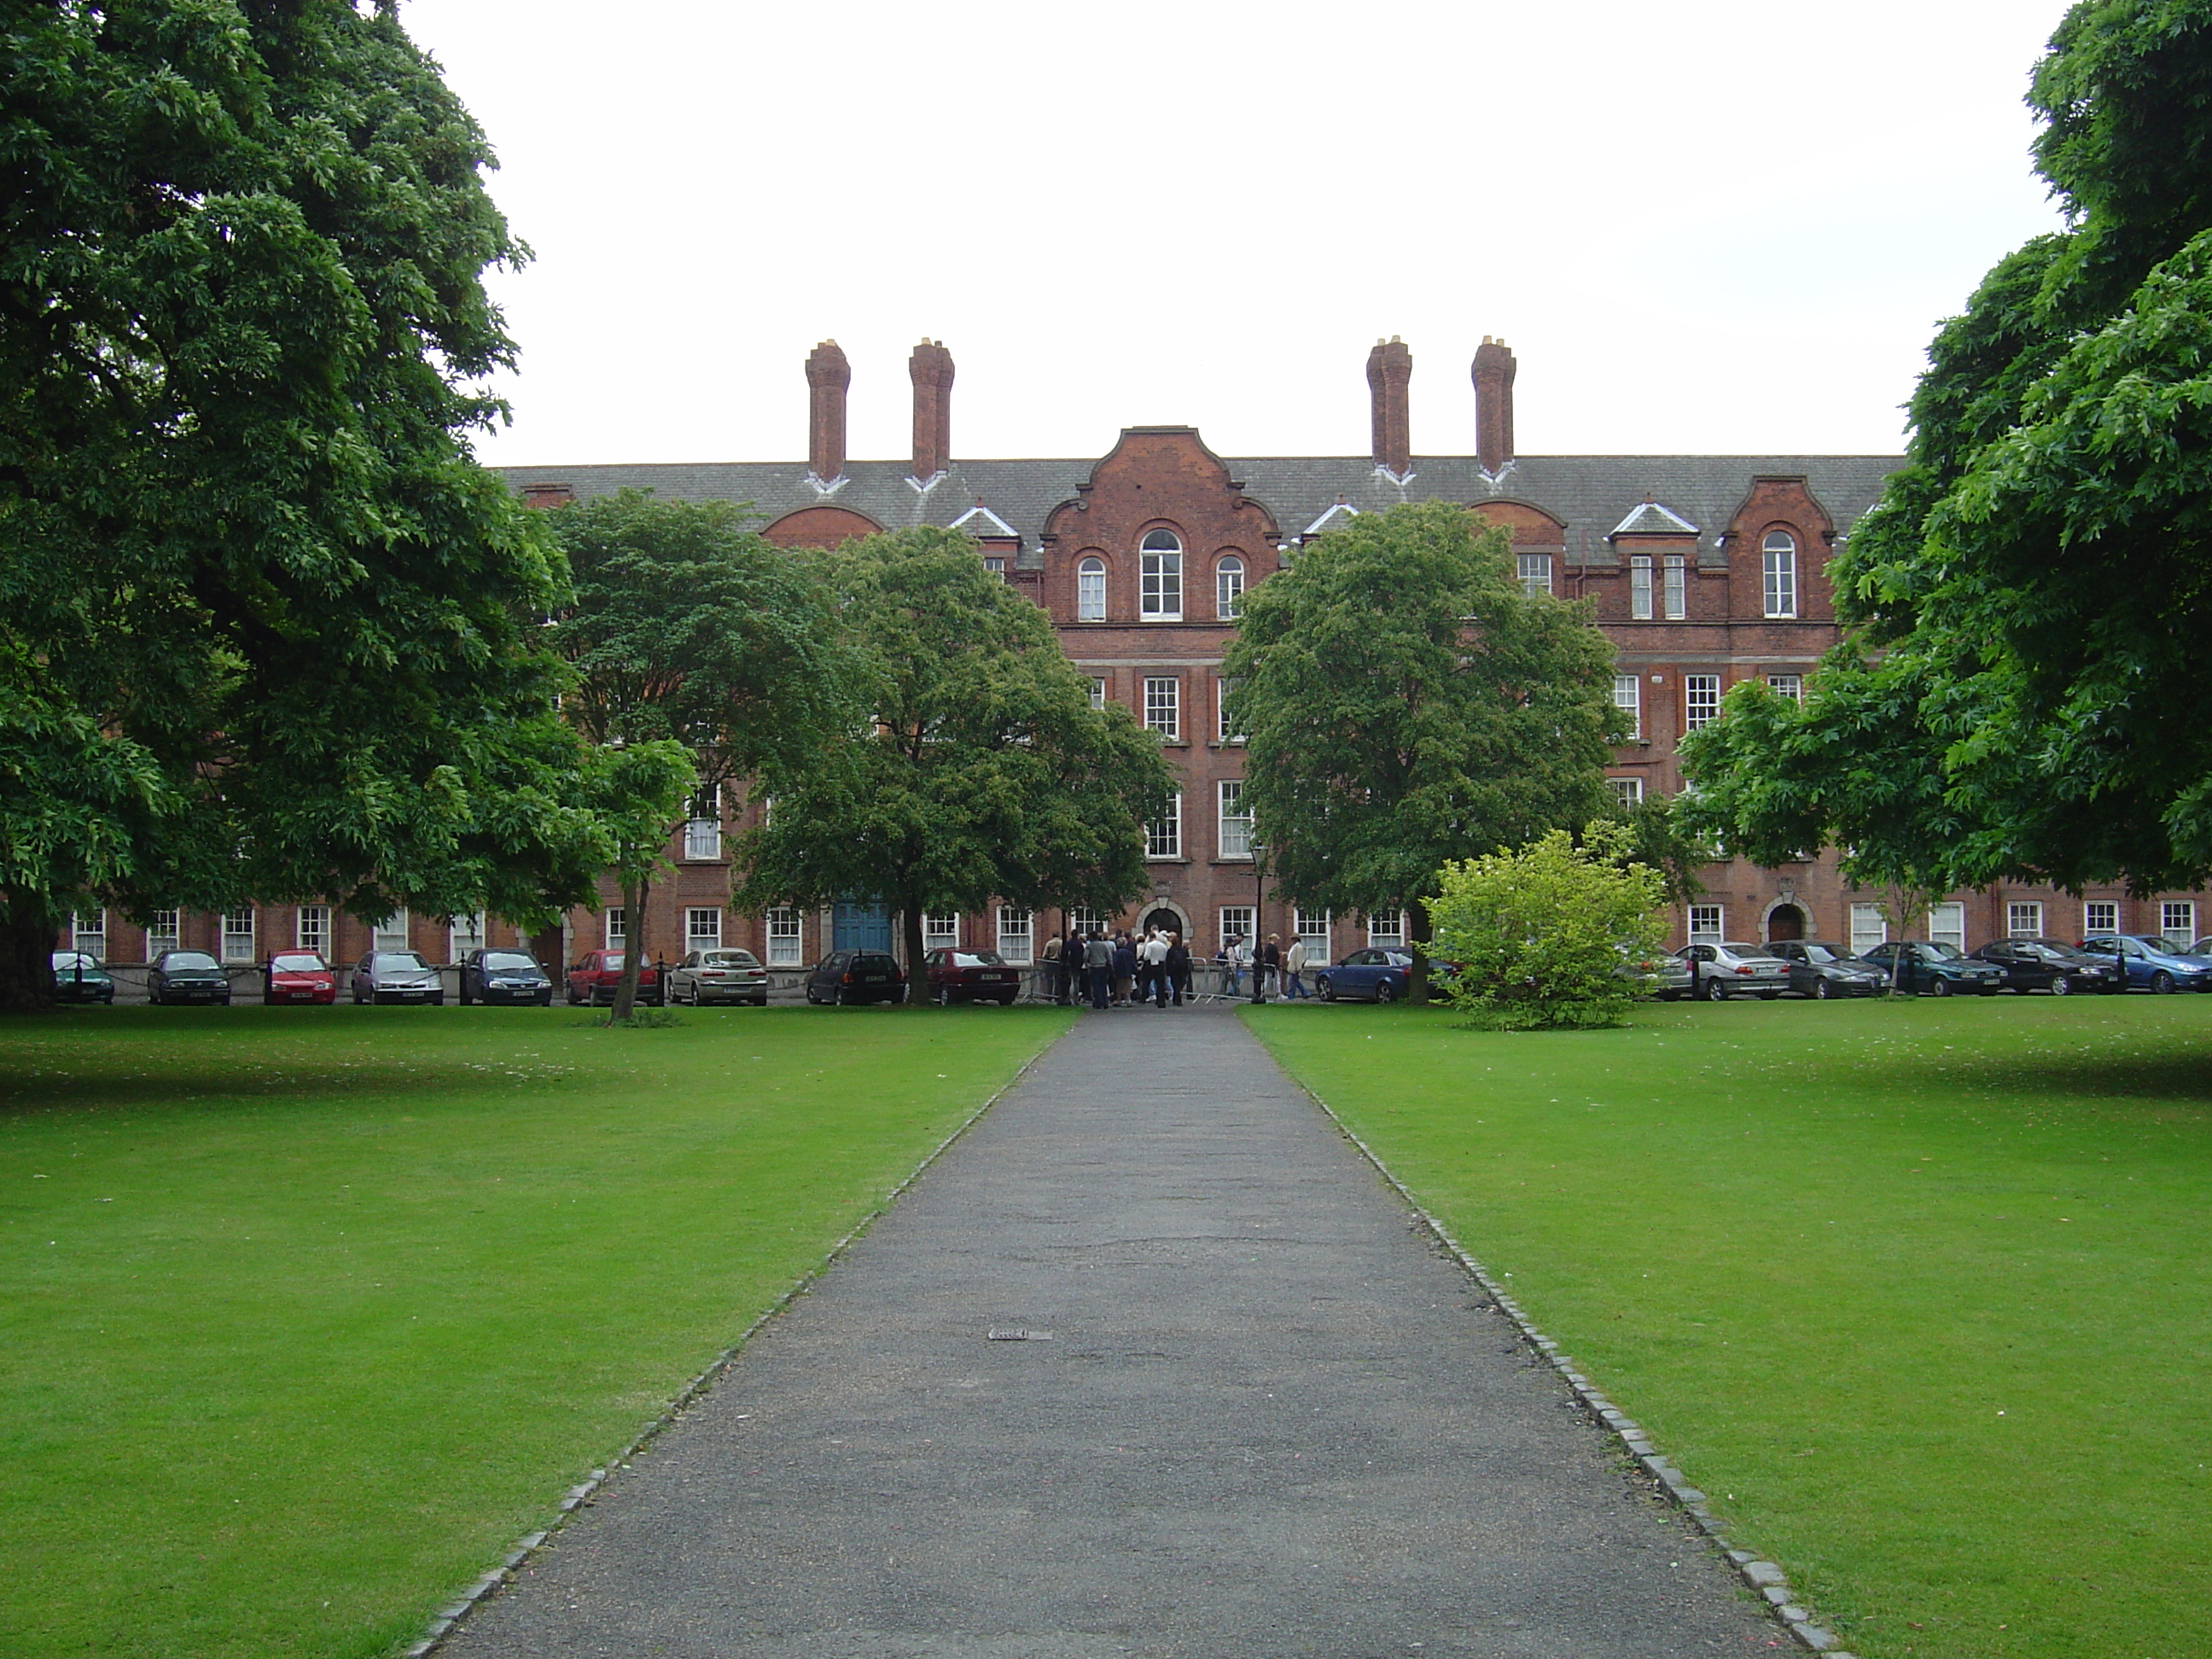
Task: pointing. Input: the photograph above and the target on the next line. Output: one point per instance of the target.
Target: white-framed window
(1701, 700)
(1628, 793)
(462, 935)
(996, 564)
(1674, 589)
(702, 833)
(1098, 690)
(1227, 727)
(1235, 820)
(2100, 916)
(1228, 588)
(311, 929)
(1947, 925)
(1535, 570)
(1312, 926)
(786, 945)
(1386, 927)
(1235, 925)
(1085, 920)
(1705, 924)
(392, 934)
(88, 933)
(1791, 686)
(1090, 591)
(1628, 697)
(1159, 577)
(2177, 920)
(703, 928)
(238, 936)
(939, 933)
(1868, 928)
(1163, 835)
(163, 930)
(1639, 587)
(1164, 705)
(1778, 559)
(2024, 920)
(1014, 936)
(617, 928)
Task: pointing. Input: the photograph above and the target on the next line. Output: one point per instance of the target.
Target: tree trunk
(27, 946)
(1418, 934)
(917, 983)
(633, 892)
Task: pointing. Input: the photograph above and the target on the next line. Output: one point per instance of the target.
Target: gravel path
(1255, 1414)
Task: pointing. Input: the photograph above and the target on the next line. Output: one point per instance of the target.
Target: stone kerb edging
(442, 1623)
(1761, 1576)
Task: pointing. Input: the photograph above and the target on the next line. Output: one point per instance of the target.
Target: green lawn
(307, 1315)
(1917, 1292)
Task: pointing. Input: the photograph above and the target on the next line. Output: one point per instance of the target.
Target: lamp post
(1259, 899)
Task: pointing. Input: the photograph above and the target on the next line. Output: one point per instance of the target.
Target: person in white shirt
(1294, 972)
(1151, 957)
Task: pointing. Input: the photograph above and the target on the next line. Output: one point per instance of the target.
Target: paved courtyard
(1150, 1364)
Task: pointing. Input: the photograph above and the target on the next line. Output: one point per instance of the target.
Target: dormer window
(1160, 586)
(1778, 557)
(1090, 591)
(1228, 588)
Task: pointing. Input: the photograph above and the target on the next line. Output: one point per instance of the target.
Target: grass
(307, 1315)
(1917, 1292)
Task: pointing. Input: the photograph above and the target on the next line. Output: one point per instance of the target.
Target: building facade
(1703, 570)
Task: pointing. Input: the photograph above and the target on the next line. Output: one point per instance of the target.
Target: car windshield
(611, 960)
(188, 959)
(978, 959)
(1735, 948)
(68, 959)
(296, 964)
(729, 959)
(1937, 948)
(1813, 950)
(510, 960)
(398, 961)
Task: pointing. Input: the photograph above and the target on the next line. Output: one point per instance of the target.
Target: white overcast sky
(1714, 225)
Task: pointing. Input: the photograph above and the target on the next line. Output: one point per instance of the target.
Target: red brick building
(1703, 569)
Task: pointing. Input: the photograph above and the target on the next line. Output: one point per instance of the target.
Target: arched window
(1090, 591)
(1228, 588)
(1159, 589)
(1778, 554)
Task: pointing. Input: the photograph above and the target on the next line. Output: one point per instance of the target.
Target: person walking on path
(1270, 966)
(1155, 969)
(1294, 972)
(1232, 980)
(1176, 968)
(1056, 980)
(1098, 964)
(1124, 968)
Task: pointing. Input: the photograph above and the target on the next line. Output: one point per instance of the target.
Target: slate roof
(1588, 493)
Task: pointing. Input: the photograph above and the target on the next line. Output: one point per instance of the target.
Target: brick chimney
(1389, 369)
(931, 366)
(1494, 404)
(547, 495)
(828, 377)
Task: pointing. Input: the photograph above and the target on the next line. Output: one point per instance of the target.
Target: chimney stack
(1390, 370)
(828, 377)
(1494, 404)
(931, 366)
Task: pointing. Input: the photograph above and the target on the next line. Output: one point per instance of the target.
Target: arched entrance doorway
(1785, 921)
(1169, 917)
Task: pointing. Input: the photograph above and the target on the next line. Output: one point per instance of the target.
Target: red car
(298, 976)
(969, 976)
(597, 977)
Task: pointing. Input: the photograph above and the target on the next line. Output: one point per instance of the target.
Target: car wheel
(2061, 986)
(2161, 982)
(1821, 991)
(1385, 991)
(1327, 990)
(575, 1001)
(1941, 988)
(1716, 990)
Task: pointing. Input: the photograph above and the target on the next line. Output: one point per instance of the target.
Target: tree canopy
(2026, 699)
(1405, 702)
(266, 629)
(979, 770)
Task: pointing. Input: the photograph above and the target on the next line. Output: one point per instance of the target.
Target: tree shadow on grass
(95, 1090)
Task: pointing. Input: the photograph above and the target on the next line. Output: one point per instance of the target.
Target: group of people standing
(1280, 973)
(1119, 970)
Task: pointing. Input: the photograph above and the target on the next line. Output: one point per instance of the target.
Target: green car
(78, 977)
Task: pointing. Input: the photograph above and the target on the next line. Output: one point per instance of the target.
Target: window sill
(1150, 858)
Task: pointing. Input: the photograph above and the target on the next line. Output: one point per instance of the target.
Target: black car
(850, 977)
(494, 976)
(78, 977)
(1937, 968)
(1820, 970)
(396, 976)
(178, 976)
(2046, 964)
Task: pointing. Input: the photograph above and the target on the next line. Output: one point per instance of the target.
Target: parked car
(503, 975)
(396, 976)
(1940, 969)
(850, 977)
(2154, 962)
(182, 976)
(298, 976)
(1665, 977)
(967, 975)
(718, 975)
(1732, 968)
(78, 977)
(599, 975)
(1377, 974)
(1820, 970)
(2046, 964)
(2203, 947)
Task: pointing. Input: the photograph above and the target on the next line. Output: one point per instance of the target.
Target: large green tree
(266, 629)
(2025, 697)
(978, 769)
(1406, 702)
(692, 637)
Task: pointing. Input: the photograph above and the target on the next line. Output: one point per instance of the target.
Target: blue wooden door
(860, 927)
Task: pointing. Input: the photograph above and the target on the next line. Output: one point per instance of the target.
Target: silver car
(1733, 969)
(396, 976)
(718, 975)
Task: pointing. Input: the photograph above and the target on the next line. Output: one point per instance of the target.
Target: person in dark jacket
(1176, 970)
(1098, 966)
(1124, 968)
(1270, 967)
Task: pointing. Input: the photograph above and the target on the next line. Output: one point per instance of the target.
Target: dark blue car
(2153, 964)
(1377, 974)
